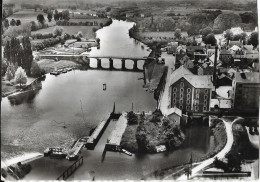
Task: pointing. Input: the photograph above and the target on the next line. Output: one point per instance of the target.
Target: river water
(77, 101)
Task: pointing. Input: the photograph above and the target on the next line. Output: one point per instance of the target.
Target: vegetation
(35, 69)
(18, 51)
(132, 118)
(150, 132)
(226, 21)
(20, 76)
(253, 39)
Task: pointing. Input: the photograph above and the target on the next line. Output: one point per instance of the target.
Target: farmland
(86, 31)
(29, 15)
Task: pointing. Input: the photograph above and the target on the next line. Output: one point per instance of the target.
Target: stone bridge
(86, 59)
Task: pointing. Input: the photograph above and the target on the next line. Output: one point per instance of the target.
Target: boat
(64, 71)
(55, 153)
(126, 152)
(60, 70)
(69, 69)
(104, 86)
(55, 73)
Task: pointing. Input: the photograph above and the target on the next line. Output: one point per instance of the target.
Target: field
(29, 15)
(156, 35)
(86, 31)
(98, 20)
(49, 65)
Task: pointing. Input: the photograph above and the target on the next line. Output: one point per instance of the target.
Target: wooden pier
(66, 174)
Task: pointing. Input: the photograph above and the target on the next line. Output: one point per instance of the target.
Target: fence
(66, 174)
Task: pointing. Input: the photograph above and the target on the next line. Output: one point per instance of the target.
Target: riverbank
(220, 138)
(49, 65)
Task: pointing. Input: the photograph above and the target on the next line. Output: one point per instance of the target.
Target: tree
(66, 15)
(12, 22)
(27, 57)
(20, 76)
(35, 69)
(34, 26)
(10, 72)
(18, 22)
(49, 16)
(57, 31)
(234, 163)
(141, 138)
(6, 23)
(40, 18)
(177, 33)
(229, 35)
(253, 39)
(4, 15)
(132, 118)
(210, 39)
(205, 31)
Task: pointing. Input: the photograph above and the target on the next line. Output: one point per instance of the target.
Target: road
(220, 155)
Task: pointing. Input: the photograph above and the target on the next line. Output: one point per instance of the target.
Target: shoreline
(25, 158)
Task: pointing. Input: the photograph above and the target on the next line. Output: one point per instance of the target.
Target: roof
(200, 81)
(197, 81)
(195, 48)
(235, 48)
(231, 43)
(179, 73)
(174, 110)
(249, 77)
(224, 51)
(249, 47)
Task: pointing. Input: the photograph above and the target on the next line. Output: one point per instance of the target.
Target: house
(237, 43)
(246, 91)
(190, 92)
(226, 57)
(191, 49)
(205, 71)
(175, 114)
(224, 80)
(200, 56)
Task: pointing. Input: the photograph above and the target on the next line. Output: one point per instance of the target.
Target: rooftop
(197, 81)
(174, 110)
(248, 77)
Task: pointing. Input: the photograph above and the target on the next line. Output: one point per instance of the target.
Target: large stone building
(190, 92)
(246, 91)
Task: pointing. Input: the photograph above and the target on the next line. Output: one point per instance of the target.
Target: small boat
(55, 73)
(64, 71)
(60, 70)
(104, 86)
(126, 152)
(69, 69)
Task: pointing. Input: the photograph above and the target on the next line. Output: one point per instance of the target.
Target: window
(187, 101)
(174, 89)
(181, 107)
(181, 101)
(182, 84)
(205, 102)
(188, 90)
(206, 91)
(182, 90)
(197, 96)
(197, 91)
(174, 101)
(187, 108)
(196, 108)
(181, 95)
(174, 95)
(205, 97)
(188, 96)
(204, 108)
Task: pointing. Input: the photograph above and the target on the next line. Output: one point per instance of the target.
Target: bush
(57, 31)
(35, 69)
(132, 118)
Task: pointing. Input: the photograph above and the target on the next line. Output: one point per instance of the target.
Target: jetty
(96, 135)
(73, 153)
(113, 141)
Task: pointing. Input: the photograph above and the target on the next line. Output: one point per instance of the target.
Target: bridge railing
(66, 174)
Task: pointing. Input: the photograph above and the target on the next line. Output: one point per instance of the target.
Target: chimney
(215, 67)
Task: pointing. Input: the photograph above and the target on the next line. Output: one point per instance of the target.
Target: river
(77, 100)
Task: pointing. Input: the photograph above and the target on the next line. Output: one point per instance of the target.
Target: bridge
(86, 58)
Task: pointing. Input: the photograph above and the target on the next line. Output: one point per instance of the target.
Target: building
(190, 92)
(226, 57)
(175, 114)
(246, 91)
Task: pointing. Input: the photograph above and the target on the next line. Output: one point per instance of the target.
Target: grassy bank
(49, 65)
